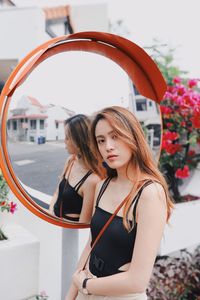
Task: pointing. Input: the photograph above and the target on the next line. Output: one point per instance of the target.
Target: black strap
(78, 185)
(137, 197)
(102, 190)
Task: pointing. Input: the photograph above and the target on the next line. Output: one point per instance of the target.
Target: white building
(148, 113)
(32, 122)
(55, 122)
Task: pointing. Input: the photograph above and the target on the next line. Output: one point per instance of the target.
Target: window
(57, 125)
(141, 104)
(14, 125)
(41, 124)
(8, 125)
(58, 17)
(33, 124)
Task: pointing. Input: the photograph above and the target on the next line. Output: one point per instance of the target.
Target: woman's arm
(151, 220)
(55, 195)
(73, 290)
(53, 201)
(88, 198)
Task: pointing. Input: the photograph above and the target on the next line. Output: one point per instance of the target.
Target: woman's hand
(78, 278)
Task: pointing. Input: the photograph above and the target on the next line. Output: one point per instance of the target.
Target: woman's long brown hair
(130, 131)
(79, 132)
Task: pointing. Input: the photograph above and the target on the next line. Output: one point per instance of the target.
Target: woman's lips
(112, 157)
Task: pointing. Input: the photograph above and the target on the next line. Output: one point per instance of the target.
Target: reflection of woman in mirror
(121, 262)
(73, 199)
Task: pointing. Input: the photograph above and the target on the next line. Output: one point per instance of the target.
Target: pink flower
(181, 90)
(13, 207)
(43, 294)
(182, 173)
(192, 82)
(177, 79)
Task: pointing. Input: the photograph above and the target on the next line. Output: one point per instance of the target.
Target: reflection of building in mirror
(30, 121)
(148, 114)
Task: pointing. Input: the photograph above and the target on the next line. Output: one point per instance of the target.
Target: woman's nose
(109, 145)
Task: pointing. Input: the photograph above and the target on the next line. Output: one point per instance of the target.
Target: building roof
(35, 102)
(56, 12)
(33, 116)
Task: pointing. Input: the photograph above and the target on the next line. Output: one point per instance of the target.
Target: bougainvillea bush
(176, 277)
(180, 153)
(5, 203)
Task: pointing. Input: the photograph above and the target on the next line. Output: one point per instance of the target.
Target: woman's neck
(125, 173)
(79, 161)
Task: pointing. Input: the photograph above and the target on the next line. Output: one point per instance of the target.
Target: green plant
(5, 203)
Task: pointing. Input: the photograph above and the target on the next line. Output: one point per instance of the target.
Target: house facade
(32, 122)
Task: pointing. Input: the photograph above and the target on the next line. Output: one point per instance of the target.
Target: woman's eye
(114, 136)
(100, 141)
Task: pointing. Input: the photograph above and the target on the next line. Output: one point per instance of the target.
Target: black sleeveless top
(69, 201)
(115, 247)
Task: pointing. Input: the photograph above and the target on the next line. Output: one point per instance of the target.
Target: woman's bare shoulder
(153, 192)
(93, 179)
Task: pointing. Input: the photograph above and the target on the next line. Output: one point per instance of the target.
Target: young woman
(121, 262)
(73, 199)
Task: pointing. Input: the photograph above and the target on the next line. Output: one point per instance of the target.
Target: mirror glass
(62, 86)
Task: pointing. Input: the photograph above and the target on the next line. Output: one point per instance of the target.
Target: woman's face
(114, 151)
(69, 144)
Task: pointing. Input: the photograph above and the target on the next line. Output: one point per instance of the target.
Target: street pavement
(38, 165)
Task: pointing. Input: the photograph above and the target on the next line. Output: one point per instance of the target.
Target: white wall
(90, 17)
(19, 257)
(21, 30)
(183, 228)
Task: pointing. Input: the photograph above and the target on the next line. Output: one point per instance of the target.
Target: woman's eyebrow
(101, 135)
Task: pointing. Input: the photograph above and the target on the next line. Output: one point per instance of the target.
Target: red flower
(170, 135)
(173, 148)
(165, 110)
(191, 153)
(169, 124)
(13, 207)
(183, 123)
(182, 173)
(3, 203)
(195, 121)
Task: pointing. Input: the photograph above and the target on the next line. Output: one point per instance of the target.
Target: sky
(173, 22)
(85, 81)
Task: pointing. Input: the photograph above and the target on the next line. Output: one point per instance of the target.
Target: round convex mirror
(65, 85)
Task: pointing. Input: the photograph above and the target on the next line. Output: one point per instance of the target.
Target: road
(38, 166)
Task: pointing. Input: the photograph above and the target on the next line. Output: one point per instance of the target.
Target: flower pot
(183, 228)
(19, 257)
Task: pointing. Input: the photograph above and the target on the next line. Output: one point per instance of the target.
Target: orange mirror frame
(130, 57)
